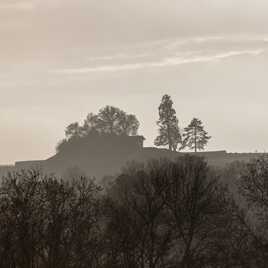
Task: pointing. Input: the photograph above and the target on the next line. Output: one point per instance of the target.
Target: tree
(129, 124)
(199, 211)
(20, 219)
(73, 131)
(169, 214)
(160, 214)
(253, 185)
(195, 137)
(109, 120)
(138, 228)
(46, 222)
(115, 121)
(91, 123)
(169, 133)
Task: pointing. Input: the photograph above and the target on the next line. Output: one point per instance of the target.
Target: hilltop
(107, 154)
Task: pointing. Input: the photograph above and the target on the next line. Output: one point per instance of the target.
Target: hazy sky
(61, 59)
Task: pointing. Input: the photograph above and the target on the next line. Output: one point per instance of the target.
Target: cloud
(118, 56)
(166, 62)
(173, 52)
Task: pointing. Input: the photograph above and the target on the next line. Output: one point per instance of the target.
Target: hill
(107, 154)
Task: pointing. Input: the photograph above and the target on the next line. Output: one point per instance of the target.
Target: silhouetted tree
(109, 120)
(73, 131)
(20, 220)
(115, 121)
(234, 246)
(85, 224)
(159, 214)
(139, 228)
(45, 222)
(199, 211)
(194, 136)
(254, 183)
(122, 237)
(170, 214)
(253, 186)
(91, 124)
(169, 133)
(129, 124)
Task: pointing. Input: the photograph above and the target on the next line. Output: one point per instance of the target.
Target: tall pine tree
(195, 137)
(169, 132)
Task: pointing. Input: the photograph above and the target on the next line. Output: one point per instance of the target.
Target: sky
(61, 59)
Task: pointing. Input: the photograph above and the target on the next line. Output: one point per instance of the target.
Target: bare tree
(178, 210)
(138, 194)
(253, 186)
(198, 210)
(46, 222)
(20, 219)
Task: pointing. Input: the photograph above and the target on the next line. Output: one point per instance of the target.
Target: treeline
(114, 121)
(162, 214)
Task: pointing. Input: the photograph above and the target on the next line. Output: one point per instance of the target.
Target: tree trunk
(169, 138)
(170, 147)
(195, 142)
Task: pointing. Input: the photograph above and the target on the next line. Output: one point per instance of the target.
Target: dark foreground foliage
(162, 214)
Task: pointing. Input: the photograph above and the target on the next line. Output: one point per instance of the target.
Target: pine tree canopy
(169, 132)
(195, 137)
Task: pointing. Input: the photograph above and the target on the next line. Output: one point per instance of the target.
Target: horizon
(62, 60)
